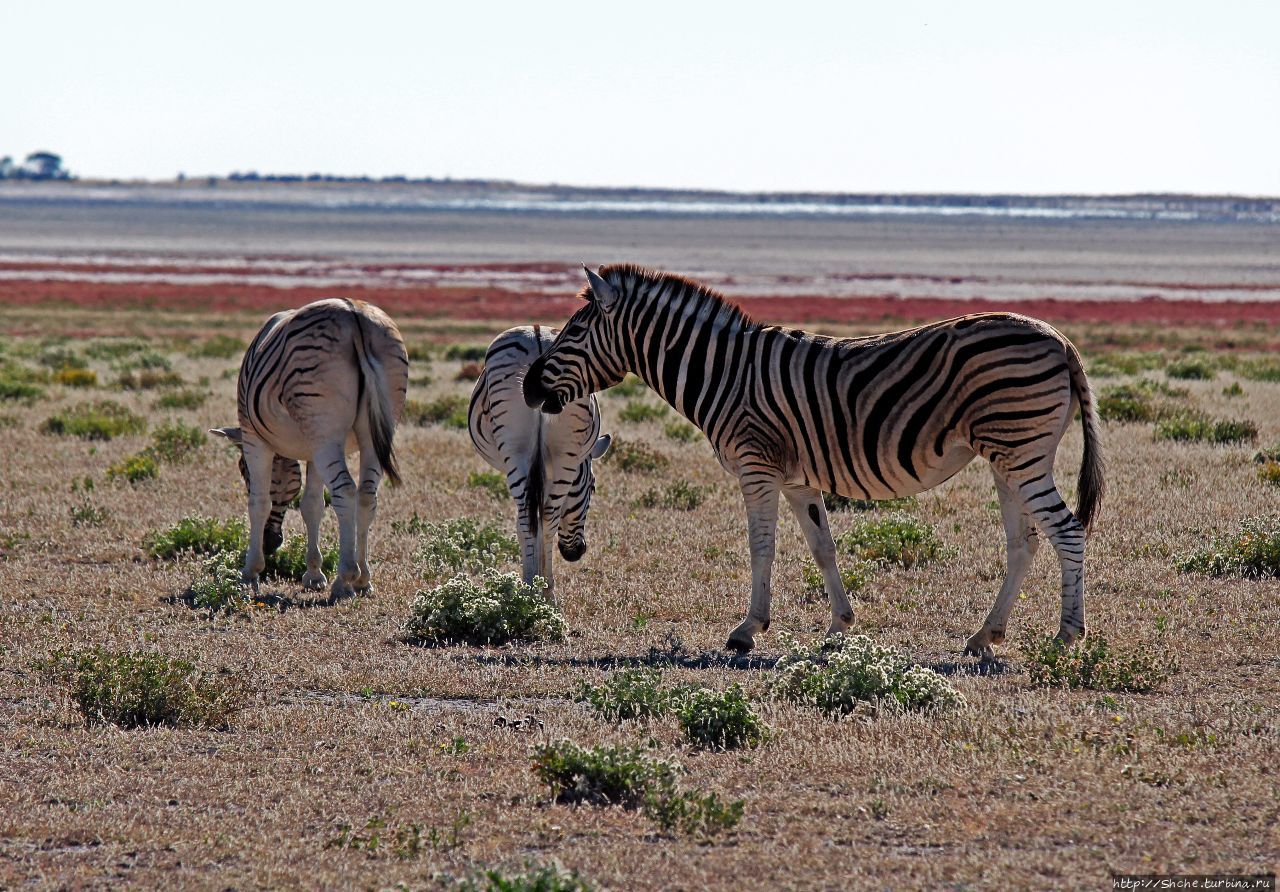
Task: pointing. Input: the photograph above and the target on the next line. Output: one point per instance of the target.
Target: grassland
(356, 759)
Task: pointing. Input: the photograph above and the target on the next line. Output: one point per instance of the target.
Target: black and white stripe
(876, 417)
(314, 383)
(546, 459)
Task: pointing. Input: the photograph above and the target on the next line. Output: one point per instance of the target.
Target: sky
(903, 96)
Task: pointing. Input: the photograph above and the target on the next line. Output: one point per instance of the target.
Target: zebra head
(286, 483)
(573, 522)
(586, 357)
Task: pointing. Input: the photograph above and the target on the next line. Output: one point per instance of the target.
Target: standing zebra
(874, 417)
(316, 383)
(546, 459)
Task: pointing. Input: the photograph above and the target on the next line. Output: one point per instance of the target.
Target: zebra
(546, 459)
(875, 417)
(316, 383)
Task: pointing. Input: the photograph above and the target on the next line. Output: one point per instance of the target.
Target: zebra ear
(231, 433)
(601, 447)
(604, 294)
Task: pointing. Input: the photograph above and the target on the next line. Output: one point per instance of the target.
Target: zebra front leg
(258, 461)
(1021, 542)
(809, 510)
(366, 511)
(332, 463)
(312, 513)
(761, 498)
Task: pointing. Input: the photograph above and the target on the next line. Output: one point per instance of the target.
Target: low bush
(219, 346)
(681, 431)
(61, 357)
(547, 878)
(148, 379)
(87, 514)
(448, 411)
(1115, 364)
(116, 349)
(175, 442)
(629, 694)
(677, 496)
(1195, 368)
(138, 690)
(184, 398)
(1144, 400)
(420, 352)
(466, 352)
(1233, 390)
(638, 457)
(847, 503)
(20, 384)
(1092, 664)
(490, 481)
(289, 561)
(844, 673)
(462, 543)
(196, 535)
(855, 576)
(1266, 369)
(1252, 551)
(636, 412)
(1269, 473)
(630, 386)
(892, 539)
(135, 468)
(217, 586)
(469, 371)
(1196, 427)
(72, 377)
(148, 359)
(493, 610)
(720, 720)
(101, 420)
(627, 777)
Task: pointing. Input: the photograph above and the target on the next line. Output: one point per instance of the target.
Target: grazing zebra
(316, 383)
(546, 460)
(873, 417)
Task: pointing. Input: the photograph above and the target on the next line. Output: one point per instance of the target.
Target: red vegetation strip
(475, 304)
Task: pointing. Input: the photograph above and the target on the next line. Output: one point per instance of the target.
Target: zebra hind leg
(332, 463)
(761, 498)
(366, 510)
(312, 514)
(1021, 542)
(809, 510)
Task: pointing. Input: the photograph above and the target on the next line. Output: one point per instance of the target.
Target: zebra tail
(382, 420)
(1092, 482)
(534, 488)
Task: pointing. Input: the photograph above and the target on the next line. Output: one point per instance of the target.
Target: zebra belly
(939, 470)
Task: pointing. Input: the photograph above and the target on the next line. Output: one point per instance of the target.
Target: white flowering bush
(494, 609)
(463, 544)
(217, 588)
(841, 673)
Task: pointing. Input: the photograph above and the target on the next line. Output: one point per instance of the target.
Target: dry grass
(343, 725)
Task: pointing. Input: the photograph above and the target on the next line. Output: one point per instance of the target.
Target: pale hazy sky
(890, 95)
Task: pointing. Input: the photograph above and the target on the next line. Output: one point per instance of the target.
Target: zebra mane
(635, 280)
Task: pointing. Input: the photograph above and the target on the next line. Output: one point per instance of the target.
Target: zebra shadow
(672, 655)
(277, 600)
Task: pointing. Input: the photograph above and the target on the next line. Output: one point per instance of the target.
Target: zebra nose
(573, 551)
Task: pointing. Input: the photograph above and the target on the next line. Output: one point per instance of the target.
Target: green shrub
(490, 481)
(86, 514)
(197, 535)
(219, 346)
(1197, 368)
(720, 720)
(147, 359)
(1233, 390)
(466, 352)
(629, 694)
(72, 377)
(677, 496)
(630, 456)
(138, 690)
(1144, 400)
(462, 543)
(217, 586)
(495, 609)
(20, 384)
(449, 411)
(1092, 664)
(847, 503)
(135, 468)
(175, 442)
(147, 379)
(627, 777)
(116, 349)
(420, 352)
(1266, 369)
(185, 398)
(1114, 364)
(680, 431)
(1195, 427)
(842, 673)
(637, 412)
(289, 561)
(892, 539)
(548, 878)
(7, 421)
(855, 576)
(630, 386)
(1252, 551)
(101, 420)
(61, 357)
(1270, 473)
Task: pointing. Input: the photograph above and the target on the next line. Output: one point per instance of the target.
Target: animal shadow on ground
(276, 600)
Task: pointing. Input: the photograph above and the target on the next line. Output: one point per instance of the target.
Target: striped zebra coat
(793, 413)
(545, 458)
(316, 383)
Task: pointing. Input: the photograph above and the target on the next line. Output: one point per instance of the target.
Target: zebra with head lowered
(874, 417)
(546, 459)
(315, 384)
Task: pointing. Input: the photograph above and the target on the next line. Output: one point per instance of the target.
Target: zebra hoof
(314, 583)
(1067, 636)
(979, 645)
(340, 591)
(739, 645)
